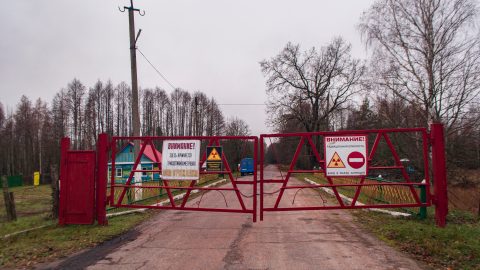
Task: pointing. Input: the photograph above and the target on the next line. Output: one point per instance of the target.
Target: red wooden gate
(77, 180)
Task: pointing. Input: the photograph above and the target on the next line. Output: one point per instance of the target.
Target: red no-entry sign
(356, 160)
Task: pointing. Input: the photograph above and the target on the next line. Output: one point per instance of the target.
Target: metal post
(255, 169)
(439, 174)
(101, 179)
(113, 172)
(55, 191)
(64, 147)
(261, 176)
(423, 198)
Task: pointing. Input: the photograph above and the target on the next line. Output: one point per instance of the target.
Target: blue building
(124, 161)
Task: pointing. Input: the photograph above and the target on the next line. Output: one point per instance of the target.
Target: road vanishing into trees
(284, 240)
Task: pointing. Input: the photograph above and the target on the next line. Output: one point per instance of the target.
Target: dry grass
(29, 201)
(464, 198)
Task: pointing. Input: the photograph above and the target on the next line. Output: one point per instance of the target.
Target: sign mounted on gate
(346, 155)
(181, 159)
(214, 158)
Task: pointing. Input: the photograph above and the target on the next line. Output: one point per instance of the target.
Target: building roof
(148, 152)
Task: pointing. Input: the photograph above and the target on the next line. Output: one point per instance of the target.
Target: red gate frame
(212, 141)
(434, 139)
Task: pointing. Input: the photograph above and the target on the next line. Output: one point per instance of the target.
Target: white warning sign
(180, 160)
(346, 155)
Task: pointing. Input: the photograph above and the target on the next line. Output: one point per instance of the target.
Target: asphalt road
(284, 240)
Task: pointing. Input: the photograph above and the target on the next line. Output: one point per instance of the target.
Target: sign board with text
(214, 158)
(180, 160)
(346, 155)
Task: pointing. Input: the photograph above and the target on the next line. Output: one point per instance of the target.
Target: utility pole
(133, 66)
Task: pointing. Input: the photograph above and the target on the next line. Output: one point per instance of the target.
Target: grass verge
(363, 198)
(33, 206)
(457, 246)
(53, 242)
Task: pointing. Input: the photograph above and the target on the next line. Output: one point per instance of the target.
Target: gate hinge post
(439, 173)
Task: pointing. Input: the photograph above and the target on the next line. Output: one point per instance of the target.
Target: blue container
(246, 166)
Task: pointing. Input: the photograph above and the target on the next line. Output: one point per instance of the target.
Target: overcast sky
(209, 45)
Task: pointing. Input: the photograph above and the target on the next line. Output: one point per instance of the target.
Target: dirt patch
(88, 257)
(234, 255)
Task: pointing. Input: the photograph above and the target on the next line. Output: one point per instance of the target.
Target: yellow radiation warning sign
(336, 162)
(214, 155)
(214, 158)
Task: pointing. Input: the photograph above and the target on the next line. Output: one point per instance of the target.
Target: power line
(242, 104)
(158, 72)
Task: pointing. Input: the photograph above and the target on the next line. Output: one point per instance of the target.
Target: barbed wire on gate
(203, 193)
(323, 200)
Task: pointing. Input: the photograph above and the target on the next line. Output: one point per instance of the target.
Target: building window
(118, 172)
(143, 169)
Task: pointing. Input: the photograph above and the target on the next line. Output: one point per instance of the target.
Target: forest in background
(31, 131)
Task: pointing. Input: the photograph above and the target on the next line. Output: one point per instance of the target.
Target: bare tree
(90, 117)
(122, 100)
(215, 122)
(8, 142)
(2, 115)
(180, 101)
(235, 150)
(108, 95)
(236, 127)
(148, 111)
(96, 93)
(309, 86)
(426, 52)
(60, 115)
(3, 142)
(39, 118)
(163, 104)
(200, 113)
(76, 92)
(24, 135)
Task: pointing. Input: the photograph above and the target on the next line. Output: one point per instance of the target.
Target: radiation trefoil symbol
(336, 162)
(214, 155)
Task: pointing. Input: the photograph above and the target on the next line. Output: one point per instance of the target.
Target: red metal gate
(434, 139)
(77, 175)
(118, 192)
(84, 193)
